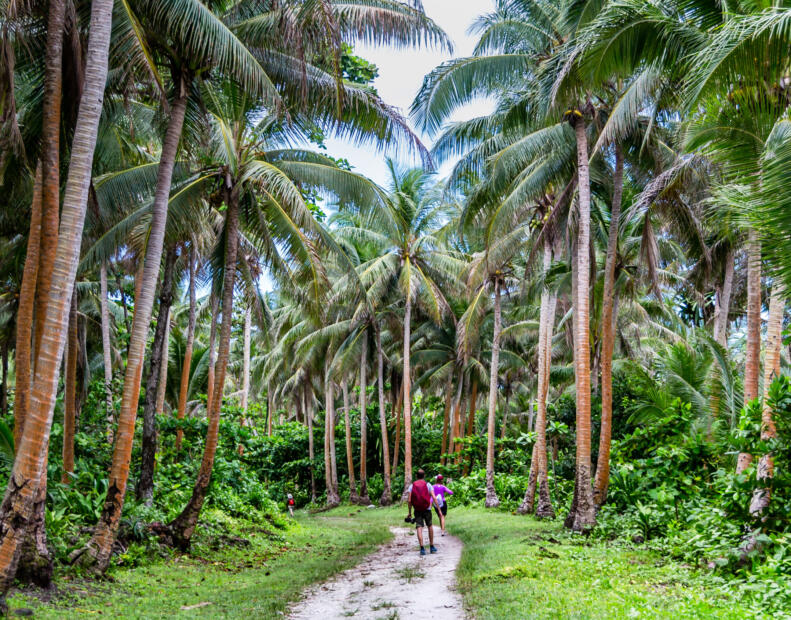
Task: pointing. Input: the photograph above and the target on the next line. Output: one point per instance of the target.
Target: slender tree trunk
(608, 320)
(269, 411)
(491, 494)
(545, 509)
(162, 384)
(585, 514)
(506, 412)
(106, 354)
(752, 361)
(186, 367)
(4, 385)
(24, 320)
(145, 483)
(397, 443)
(446, 418)
(184, 525)
(70, 394)
(455, 427)
(25, 485)
(50, 139)
(364, 421)
(387, 493)
(329, 423)
(774, 342)
(724, 302)
(124, 306)
(353, 497)
(212, 352)
(530, 493)
(248, 320)
(407, 398)
(311, 450)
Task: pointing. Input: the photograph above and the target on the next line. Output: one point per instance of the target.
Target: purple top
(440, 490)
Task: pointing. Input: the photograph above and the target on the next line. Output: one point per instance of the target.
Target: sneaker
(433, 549)
(443, 532)
(423, 551)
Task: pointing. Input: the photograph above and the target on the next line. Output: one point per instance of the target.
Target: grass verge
(517, 567)
(222, 577)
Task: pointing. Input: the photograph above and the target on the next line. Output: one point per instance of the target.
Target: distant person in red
(290, 503)
(441, 491)
(421, 497)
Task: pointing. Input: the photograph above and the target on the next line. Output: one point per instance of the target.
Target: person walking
(290, 503)
(441, 507)
(421, 497)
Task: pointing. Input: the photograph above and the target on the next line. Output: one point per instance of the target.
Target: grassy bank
(517, 567)
(253, 579)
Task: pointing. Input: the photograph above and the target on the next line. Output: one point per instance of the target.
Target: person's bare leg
(442, 521)
(420, 535)
(430, 535)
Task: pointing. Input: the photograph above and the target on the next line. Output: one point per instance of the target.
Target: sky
(401, 73)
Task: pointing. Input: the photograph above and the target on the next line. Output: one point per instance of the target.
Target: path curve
(395, 578)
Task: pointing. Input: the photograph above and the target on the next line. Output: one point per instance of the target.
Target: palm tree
(31, 454)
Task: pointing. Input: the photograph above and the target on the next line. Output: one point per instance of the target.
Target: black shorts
(443, 510)
(423, 518)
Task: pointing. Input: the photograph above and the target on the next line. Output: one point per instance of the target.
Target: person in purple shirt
(441, 508)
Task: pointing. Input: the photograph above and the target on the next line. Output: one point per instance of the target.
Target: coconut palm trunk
(364, 420)
(529, 501)
(98, 550)
(473, 402)
(162, 384)
(353, 497)
(31, 456)
(145, 483)
(544, 508)
(387, 493)
(215, 304)
(308, 409)
(183, 527)
(248, 320)
(407, 397)
(24, 320)
(584, 513)
(455, 425)
(329, 452)
(106, 353)
(446, 418)
(491, 494)
(608, 320)
(185, 369)
(752, 360)
(724, 301)
(70, 394)
(774, 343)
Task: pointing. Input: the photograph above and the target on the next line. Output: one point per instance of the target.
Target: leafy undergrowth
(236, 569)
(517, 567)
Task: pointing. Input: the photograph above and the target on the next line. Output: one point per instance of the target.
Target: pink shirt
(440, 490)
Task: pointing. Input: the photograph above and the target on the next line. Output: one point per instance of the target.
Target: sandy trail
(393, 582)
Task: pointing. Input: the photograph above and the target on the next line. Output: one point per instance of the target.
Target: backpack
(421, 497)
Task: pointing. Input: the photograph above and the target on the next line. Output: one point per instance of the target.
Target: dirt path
(393, 582)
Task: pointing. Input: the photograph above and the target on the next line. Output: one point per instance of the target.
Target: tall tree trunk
(529, 501)
(183, 526)
(24, 320)
(50, 139)
(364, 421)
(585, 513)
(491, 494)
(397, 439)
(545, 509)
(186, 367)
(145, 483)
(212, 351)
(162, 383)
(446, 418)
(109, 413)
(774, 342)
(311, 450)
(455, 426)
(24, 485)
(724, 302)
(387, 493)
(608, 320)
(407, 398)
(752, 361)
(70, 394)
(270, 412)
(506, 411)
(353, 497)
(329, 423)
(4, 384)
(119, 283)
(248, 320)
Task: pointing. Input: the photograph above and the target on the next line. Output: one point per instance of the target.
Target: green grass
(517, 567)
(512, 567)
(240, 582)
